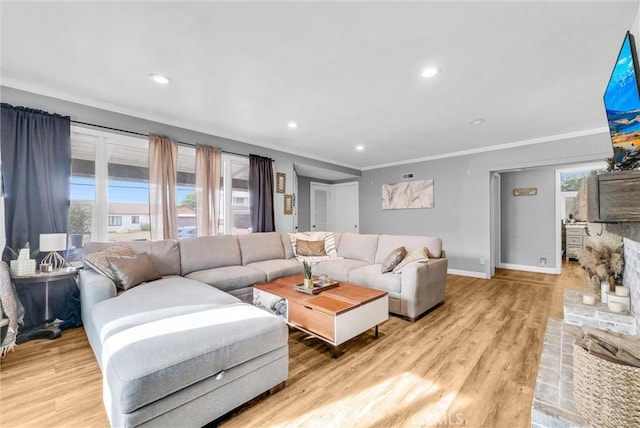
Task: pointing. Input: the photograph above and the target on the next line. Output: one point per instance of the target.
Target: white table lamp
(53, 242)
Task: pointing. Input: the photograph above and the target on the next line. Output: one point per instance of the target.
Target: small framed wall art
(281, 182)
(288, 204)
(525, 191)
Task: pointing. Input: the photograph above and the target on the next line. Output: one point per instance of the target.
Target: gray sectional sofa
(186, 349)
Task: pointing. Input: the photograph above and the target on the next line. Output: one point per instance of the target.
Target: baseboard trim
(525, 268)
(470, 273)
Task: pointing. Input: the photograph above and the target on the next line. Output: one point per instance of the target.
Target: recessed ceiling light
(359, 147)
(430, 72)
(160, 79)
(477, 122)
(292, 124)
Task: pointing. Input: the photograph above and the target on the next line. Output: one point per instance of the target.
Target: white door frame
(496, 236)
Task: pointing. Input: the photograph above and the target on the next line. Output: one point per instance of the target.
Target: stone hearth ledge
(553, 404)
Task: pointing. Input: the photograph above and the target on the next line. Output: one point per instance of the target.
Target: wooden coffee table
(335, 315)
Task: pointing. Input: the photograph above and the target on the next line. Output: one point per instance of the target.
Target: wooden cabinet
(576, 237)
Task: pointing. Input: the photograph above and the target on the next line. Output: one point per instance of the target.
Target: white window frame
(227, 192)
(100, 206)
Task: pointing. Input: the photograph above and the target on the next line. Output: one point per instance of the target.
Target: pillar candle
(622, 291)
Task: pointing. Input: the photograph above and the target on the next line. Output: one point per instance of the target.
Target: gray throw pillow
(392, 260)
(133, 270)
(98, 260)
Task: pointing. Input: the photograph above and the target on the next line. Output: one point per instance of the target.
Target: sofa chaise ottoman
(175, 351)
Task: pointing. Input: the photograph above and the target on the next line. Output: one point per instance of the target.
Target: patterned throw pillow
(329, 242)
(393, 259)
(310, 248)
(414, 256)
(133, 270)
(98, 260)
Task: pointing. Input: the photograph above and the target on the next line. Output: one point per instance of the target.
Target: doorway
(319, 203)
(572, 223)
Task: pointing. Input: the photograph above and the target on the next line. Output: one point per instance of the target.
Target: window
(109, 187)
(186, 192)
(234, 196)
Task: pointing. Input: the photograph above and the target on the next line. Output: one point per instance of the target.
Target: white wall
(461, 212)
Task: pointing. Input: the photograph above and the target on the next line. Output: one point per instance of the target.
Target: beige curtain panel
(208, 172)
(163, 166)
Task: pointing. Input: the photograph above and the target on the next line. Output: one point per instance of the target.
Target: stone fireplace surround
(553, 404)
(631, 277)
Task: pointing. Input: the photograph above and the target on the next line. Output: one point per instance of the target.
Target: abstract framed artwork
(407, 195)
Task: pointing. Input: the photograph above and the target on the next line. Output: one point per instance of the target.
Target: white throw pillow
(413, 256)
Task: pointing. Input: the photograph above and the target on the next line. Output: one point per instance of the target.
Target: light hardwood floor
(471, 362)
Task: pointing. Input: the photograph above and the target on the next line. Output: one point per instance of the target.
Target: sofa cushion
(169, 296)
(148, 362)
(393, 259)
(257, 247)
(207, 252)
(360, 247)
(338, 269)
(278, 268)
(229, 278)
(371, 276)
(164, 254)
(288, 248)
(133, 270)
(386, 243)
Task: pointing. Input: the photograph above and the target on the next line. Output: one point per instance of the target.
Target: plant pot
(308, 282)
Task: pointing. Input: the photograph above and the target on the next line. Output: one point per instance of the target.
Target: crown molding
(520, 143)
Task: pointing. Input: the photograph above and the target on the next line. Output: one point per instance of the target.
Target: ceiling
(347, 73)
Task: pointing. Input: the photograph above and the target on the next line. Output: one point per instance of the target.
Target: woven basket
(607, 394)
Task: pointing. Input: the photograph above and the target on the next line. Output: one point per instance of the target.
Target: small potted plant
(308, 274)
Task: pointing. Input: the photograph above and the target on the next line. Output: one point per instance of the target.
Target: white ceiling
(348, 73)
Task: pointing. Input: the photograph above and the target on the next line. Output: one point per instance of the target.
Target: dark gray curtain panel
(261, 194)
(36, 165)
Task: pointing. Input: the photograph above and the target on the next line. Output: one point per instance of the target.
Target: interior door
(345, 213)
(319, 201)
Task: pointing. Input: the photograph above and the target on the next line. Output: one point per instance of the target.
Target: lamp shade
(53, 242)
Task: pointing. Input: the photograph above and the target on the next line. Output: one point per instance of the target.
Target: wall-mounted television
(622, 103)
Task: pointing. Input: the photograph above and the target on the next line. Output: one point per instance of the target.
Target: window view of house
(110, 190)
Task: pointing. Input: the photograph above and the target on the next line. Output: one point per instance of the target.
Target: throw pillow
(98, 260)
(329, 242)
(310, 248)
(393, 259)
(133, 270)
(414, 256)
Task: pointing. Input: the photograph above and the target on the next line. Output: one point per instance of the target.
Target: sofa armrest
(423, 286)
(94, 287)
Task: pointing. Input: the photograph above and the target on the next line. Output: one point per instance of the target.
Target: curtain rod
(182, 143)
